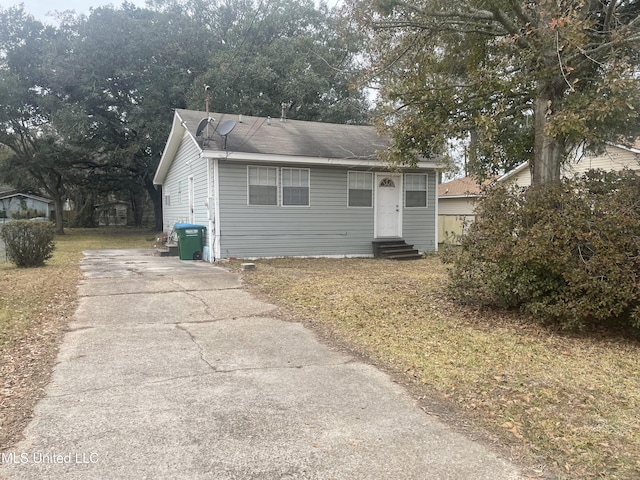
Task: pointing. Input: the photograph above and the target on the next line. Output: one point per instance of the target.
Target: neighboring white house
(456, 199)
(456, 207)
(520, 176)
(267, 187)
(614, 158)
(14, 204)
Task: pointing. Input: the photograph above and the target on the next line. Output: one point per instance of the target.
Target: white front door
(388, 205)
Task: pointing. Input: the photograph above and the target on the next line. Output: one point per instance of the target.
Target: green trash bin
(190, 240)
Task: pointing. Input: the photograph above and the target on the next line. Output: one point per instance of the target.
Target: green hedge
(568, 252)
(27, 213)
(28, 243)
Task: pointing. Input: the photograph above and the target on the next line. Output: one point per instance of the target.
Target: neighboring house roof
(27, 195)
(635, 148)
(460, 188)
(261, 138)
(5, 189)
(514, 172)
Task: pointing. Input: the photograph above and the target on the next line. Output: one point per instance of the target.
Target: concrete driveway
(170, 370)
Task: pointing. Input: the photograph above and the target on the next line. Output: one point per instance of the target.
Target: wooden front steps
(394, 249)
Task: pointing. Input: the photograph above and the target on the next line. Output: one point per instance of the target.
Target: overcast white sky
(40, 8)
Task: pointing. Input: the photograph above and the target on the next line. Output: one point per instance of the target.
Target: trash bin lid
(180, 226)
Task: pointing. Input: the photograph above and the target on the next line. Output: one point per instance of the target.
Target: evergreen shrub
(28, 243)
(567, 252)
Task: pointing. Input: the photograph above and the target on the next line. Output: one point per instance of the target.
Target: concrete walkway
(171, 370)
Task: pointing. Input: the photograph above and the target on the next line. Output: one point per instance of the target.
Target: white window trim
(426, 190)
(373, 177)
(282, 187)
(277, 204)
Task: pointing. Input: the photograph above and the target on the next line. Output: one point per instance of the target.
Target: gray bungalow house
(267, 187)
(15, 204)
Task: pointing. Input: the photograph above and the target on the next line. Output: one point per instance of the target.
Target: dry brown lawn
(35, 306)
(563, 405)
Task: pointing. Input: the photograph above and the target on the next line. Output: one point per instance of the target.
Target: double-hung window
(415, 190)
(295, 187)
(360, 189)
(263, 185)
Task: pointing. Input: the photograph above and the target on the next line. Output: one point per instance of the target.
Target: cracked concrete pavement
(170, 370)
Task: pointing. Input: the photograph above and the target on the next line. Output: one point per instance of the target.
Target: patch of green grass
(571, 400)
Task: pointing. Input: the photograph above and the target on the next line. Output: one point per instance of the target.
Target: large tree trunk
(58, 204)
(548, 152)
(137, 208)
(86, 217)
(52, 184)
(156, 196)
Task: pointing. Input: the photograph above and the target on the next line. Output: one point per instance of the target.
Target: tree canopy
(526, 81)
(87, 103)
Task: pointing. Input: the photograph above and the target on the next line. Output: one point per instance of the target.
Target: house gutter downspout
(210, 211)
(216, 253)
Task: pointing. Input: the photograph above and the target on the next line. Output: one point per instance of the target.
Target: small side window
(262, 185)
(360, 189)
(295, 187)
(415, 190)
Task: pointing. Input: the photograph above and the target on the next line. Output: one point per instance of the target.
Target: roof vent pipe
(283, 115)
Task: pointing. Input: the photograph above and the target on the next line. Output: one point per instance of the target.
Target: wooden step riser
(395, 250)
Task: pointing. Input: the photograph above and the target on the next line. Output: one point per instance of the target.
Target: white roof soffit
(513, 172)
(264, 158)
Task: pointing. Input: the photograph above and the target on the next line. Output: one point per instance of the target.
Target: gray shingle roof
(291, 137)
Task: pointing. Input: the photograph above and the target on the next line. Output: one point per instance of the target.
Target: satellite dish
(225, 127)
(203, 123)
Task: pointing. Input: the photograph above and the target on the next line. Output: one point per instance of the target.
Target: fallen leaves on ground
(35, 306)
(567, 400)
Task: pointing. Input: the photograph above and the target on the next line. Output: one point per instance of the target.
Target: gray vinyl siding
(419, 225)
(326, 227)
(187, 163)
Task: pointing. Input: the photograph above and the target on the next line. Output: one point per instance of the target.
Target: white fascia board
(26, 195)
(471, 195)
(513, 172)
(265, 158)
(178, 129)
(628, 149)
